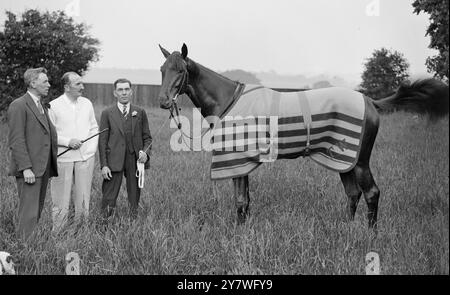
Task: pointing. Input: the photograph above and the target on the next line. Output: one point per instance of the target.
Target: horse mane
(222, 76)
(194, 67)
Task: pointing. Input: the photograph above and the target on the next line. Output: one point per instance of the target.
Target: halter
(174, 99)
(140, 167)
(183, 85)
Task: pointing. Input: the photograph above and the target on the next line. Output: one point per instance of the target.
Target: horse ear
(164, 51)
(184, 51)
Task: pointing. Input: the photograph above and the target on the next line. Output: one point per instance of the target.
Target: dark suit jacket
(112, 142)
(30, 137)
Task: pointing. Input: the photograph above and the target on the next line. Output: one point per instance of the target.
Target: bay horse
(214, 93)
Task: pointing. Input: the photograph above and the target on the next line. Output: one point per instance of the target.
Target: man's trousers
(31, 203)
(111, 188)
(80, 173)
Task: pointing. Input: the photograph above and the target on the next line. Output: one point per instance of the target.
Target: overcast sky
(286, 36)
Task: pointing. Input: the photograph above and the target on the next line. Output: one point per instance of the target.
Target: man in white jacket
(74, 119)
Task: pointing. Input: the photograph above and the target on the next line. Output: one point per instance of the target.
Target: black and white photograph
(226, 146)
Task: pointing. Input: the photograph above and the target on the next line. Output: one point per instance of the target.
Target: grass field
(297, 223)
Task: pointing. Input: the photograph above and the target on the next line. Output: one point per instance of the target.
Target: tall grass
(297, 223)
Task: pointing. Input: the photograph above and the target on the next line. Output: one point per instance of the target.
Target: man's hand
(28, 176)
(142, 157)
(75, 143)
(106, 173)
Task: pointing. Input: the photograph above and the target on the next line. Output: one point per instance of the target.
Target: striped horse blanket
(264, 125)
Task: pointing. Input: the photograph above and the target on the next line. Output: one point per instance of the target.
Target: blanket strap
(307, 120)
(250, 90)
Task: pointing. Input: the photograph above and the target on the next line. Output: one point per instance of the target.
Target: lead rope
(140, 171)
(140, 174)
(180, 127)
(237, 93)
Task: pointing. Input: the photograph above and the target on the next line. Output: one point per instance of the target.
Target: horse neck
(210, 92)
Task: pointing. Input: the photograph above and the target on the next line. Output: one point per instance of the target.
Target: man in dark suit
(33, 144)
(127, 141)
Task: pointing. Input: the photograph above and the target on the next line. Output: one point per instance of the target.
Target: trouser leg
(43, 190)
(83, 182)
(61, 187)
(110, 191)
(29, 205)
(133, 191)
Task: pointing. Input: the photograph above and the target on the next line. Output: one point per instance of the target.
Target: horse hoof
(373, 227)
(241, 215)
(241, 219)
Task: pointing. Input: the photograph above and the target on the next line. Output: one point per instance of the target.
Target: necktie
(39, 106)
(124, 111)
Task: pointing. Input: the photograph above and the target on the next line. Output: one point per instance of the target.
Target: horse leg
(353, 192)
(371, 192)
(362, 173)
(241, 197)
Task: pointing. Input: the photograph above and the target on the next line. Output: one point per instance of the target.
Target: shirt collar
(69, 101)
(120, 106)
(34, 97)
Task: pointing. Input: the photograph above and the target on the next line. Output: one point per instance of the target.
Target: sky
(288, 37)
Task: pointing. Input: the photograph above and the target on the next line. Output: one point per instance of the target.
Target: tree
(438, 32)
(384, 72)
(241, 76)
(50, 40)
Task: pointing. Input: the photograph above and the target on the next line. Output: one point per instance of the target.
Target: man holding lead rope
(123, 148)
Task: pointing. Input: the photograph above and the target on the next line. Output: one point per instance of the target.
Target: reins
(179, 125)
(183, 86)
(140, 171)
(237, 93)
(177, 109)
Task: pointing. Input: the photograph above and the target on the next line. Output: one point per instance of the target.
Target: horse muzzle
(165, 103)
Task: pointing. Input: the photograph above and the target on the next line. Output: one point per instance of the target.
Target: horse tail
(426, 97)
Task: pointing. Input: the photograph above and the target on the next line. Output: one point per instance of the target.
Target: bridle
(182, 90)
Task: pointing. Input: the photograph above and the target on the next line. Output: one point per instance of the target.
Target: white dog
(6, 264)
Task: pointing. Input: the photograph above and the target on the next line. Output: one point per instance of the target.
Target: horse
(213, 94)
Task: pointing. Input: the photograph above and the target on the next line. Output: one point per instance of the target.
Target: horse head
(174, 76)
